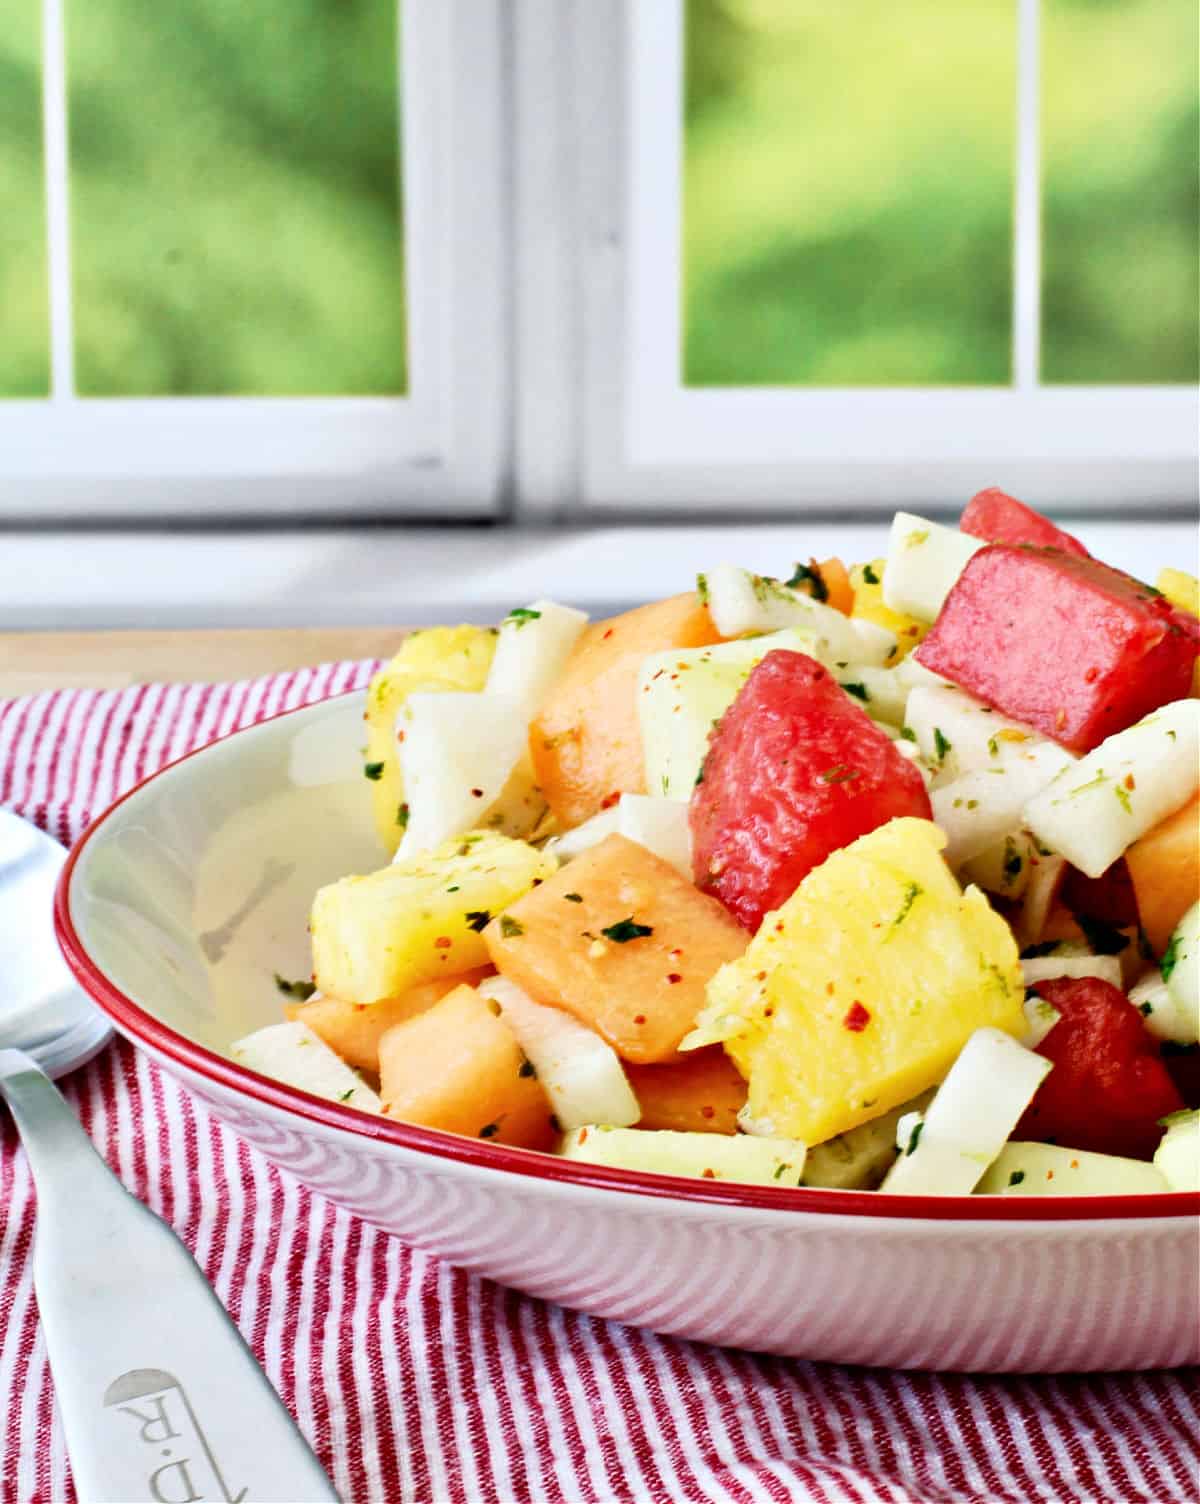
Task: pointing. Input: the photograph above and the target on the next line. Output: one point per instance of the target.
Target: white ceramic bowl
(182, 901)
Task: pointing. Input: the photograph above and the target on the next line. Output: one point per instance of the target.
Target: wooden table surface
(31, 661)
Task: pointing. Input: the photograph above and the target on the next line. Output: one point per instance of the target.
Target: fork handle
(160, 1397)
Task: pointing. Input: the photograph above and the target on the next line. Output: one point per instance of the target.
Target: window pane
(848, 192)
(1119, 191)
(25, 340)
(235, 201)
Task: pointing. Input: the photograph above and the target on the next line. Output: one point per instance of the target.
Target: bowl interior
(194, 894)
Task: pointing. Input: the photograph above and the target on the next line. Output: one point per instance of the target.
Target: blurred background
(220, 194)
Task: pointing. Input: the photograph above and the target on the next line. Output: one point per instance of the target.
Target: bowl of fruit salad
(805, 964)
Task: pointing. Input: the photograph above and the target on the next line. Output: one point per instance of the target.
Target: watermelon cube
(794, 771)
(1066, 645)
(997, 517)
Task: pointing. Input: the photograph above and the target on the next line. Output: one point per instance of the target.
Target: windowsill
(74, 579)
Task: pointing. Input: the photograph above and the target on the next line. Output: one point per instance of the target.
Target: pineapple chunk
(440, 658)
(867, 580)
(376, 936)
(1182, 590)
(862, 989)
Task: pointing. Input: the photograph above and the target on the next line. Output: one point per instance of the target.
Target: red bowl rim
(141, 1027)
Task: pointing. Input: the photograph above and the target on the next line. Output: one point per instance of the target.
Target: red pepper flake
(673, 977)
(639, 1018)
(610, 800)
(607, 635)
(583, 1133)
(1060, 718)
(828, 989)
(1129, 783)
(1091, 676)
(443, 942)
(857, 1018)
(708, 1112)
(476, 793)
(708, 1175)
(760, 976)
(675, 955)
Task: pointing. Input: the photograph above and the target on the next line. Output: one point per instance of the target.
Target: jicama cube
(860, 991)
(573, 843)
(532, 650)
(882, 694)
(707, 1156)
(795, 770)
(1005, 867)
(459, 1067)
(578, 1071)
(975, 1109)
(1165, 1015)
(1065, 645)
(353, 1030)
(1137, 777)
(1047, 873)
(376, 936)
(858, 1160)
(958, 734)
(1181, 962)
(658, 824)
(1164, 869)
(457, 755)
(292, 1053)
(979, 809)
(996, 517)
(702, 1093)
(440, 658)
(742, 602)
(1177, 1158)
(1023, 1169)
(586, 741)
(682, 695)
(924, 561)
(621, 940)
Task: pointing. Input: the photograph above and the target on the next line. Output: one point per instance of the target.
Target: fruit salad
(880, 875)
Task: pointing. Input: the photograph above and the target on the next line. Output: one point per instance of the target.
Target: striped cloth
(417, 1382)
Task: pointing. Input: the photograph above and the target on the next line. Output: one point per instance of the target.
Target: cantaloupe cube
(458, 1066)
(621, 940)
(586, 741)
(374, 937)
(702, 1093)
(353, 1030)
(861, 990)
(439, 658)
(1164, 867)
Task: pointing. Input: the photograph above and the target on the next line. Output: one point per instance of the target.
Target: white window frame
(440, 450)
(609, 353)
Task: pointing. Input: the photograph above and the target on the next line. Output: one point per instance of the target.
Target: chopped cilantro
(993, 747)
(916, 537)
(1146, 1009)
(477, 919)
(809, 575)
(702, 588)
(912, 892)
(402, 817)
(625, 930)
(510, 927)
(859, 691)
(346, 1095)
(300, 989)
(373, 771)
(839, 774)
(1042, 948)
(1123, 799)
(914, 1138)
(907, 734)
(1092, 783)
(1103, 938)
(526, 1069)
(1013, 861)
(940, 744)
(664, 784)
(699, 777)
(573, 897)
(869, 575)
(1016, 1177)
(489, 1130)
(779, 1169)
(1170, 957)
(521, 616)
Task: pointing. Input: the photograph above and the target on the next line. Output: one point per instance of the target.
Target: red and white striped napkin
(416, 1382)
